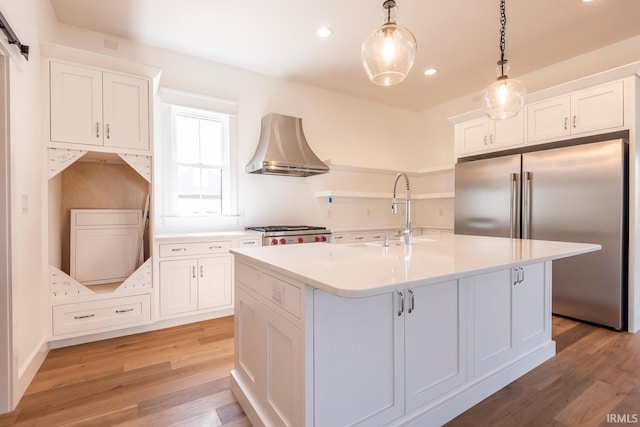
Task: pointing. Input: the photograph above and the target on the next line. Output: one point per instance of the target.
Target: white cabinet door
(284, 387)
(214, 282)
(249, 339)
(484, 134)
(508, 132)
(472, 136)
(531, 308)
(435, 342)
(358, 360)
(126, 112)
(493, 337)
(598, 108)
(178, 286)
(548, 119)
(76, 104)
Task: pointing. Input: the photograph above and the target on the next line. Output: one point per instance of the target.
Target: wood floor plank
(591, 407)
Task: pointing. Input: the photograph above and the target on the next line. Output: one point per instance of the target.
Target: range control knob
(300, 239)
(274, 241)
(283, 241)
(316, 239)
(324, 238)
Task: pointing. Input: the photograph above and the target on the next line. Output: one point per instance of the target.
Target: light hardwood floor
(180, 376)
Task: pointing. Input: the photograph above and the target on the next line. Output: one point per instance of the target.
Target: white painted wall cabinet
(595, 109)
(484, 134)
(98, 108)
(585, 112)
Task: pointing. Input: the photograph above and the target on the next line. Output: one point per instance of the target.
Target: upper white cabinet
(98, 108)
(484, 134)
(591, 110)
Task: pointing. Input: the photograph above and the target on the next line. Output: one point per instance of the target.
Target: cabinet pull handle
(359, 238)
(193, 271)
(85, 316)
(215, 247)
(108, 132)
(485, 140)
(97, 129)
(401, 295)
(127, 310)
(518, 273)
(574, 121)
(491, 139)
(412, 304)
(201, 271)
(178, 249)
(566, 123)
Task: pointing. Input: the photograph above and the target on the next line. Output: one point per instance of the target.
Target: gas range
(292, 234)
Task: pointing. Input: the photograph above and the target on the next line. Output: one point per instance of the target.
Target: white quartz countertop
(366, 269)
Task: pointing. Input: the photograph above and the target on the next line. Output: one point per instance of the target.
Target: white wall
(30, 20)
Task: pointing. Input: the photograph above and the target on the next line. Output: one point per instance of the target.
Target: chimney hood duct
(283, 149)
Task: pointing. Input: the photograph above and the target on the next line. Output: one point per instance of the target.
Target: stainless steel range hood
(283, 149)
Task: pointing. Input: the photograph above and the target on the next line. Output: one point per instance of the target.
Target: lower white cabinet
(377, 357)
(418, 356)
(359, 368)
(510, 314)
(193, 284)
(268, 345)
(103, 315)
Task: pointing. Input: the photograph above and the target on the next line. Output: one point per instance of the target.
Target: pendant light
(388, 53)
(504, 97)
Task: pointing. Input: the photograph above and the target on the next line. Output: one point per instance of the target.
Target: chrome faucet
(405, 229)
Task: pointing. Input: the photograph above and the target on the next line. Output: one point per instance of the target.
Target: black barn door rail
(12, 38)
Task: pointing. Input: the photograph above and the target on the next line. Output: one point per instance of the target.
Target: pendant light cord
(503, 24)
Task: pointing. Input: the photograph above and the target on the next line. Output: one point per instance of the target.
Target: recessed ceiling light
(587, 1)
(430, 71)
(324, 32)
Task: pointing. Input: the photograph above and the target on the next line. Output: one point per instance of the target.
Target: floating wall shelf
(374, 195)
(415, 172)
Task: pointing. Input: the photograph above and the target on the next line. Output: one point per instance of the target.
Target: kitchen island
(373, 335)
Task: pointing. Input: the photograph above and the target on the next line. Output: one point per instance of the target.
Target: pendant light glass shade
(388, 53)
(504, 97)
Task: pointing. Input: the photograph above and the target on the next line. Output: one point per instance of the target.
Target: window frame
(173, 103)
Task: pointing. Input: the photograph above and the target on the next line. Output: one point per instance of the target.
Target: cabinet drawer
(104, 314)
(248, 243)
(248, 276)
(283, 294)
(194, 248)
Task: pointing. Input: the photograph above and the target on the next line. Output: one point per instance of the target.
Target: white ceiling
(277, 37)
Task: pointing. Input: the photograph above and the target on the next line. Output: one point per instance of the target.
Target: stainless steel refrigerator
(575, 193)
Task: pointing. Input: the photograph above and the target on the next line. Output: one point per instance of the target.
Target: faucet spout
(405, 230)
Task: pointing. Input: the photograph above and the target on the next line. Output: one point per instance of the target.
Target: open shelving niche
(331, 193)
(62, 286)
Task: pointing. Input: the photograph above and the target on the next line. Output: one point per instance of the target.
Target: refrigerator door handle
(513, 212)
(526, 206)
